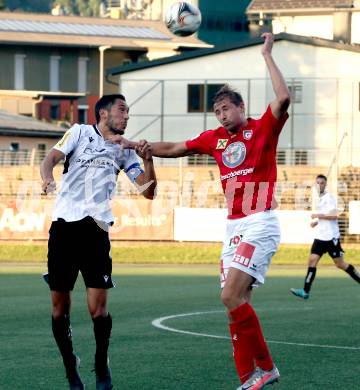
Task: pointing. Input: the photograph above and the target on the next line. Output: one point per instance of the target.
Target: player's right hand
(313, 224)
(48, 186)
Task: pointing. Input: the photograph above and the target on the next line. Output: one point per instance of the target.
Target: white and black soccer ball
(183, 18)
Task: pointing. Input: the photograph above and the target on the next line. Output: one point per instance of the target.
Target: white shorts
(249, 245)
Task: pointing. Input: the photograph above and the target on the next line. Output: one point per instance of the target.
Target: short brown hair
(321, 177)
(227, 92)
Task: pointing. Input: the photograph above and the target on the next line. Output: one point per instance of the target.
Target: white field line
(158, 323)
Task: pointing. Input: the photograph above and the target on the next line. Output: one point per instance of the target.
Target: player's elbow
(284, 100)
(149, 195)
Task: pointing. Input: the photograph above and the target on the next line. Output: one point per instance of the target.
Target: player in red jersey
(245, 151)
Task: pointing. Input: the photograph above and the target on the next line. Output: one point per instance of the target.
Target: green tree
(28, 5)
(81, 7)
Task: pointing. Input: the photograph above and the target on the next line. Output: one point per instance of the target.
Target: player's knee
(97, 311)
(340, 264)
(227, 298)
(59, 311)
(60, 306)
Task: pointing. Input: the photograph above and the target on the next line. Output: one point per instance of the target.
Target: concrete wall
(26, 143)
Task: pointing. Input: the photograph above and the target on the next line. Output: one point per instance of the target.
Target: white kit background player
(327, 239)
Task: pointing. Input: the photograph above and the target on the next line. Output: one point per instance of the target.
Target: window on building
(19, 74)
(14, 146)
(82, 113)
(281, 157)
(41, 151)
(82, 74)
(55, 112)
(296, 92)
(301, 157)
(55, 73)
(198, 99)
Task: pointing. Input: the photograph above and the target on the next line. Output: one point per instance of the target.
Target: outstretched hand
(144, 149)
(268, 43)
(118, 139)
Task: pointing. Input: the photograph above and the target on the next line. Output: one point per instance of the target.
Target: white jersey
(326, 230)
(90, 174)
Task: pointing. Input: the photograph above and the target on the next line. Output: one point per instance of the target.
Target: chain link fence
(194, 181)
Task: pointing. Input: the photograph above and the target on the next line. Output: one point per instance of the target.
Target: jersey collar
(97, 131)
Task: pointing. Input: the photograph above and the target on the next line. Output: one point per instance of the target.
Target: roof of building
(44, 29)
(222, 49)
(12, 124)
(272, 5)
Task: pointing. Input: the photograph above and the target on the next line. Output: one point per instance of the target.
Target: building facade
(65, 56)
(170, 99)
(338, 20)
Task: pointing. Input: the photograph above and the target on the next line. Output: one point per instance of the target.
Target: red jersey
(247, 162)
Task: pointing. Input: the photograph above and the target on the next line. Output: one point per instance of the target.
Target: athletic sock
(247, 324)
(62, 333)
(310, 276)
(243, 357)
(102, 331)
(353, 272)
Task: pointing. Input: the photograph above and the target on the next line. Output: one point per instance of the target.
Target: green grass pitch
(315, 343)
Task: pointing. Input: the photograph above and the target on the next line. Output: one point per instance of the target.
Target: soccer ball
(183, 18)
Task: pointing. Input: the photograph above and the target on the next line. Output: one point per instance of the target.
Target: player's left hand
(268, 43)
(144, 150)
(118, 139)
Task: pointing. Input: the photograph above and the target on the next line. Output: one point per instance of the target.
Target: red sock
(243, 357)
(246, 322)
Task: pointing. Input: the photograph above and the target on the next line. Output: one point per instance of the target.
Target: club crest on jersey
(247, 134)
(221, 144)
(234, 154)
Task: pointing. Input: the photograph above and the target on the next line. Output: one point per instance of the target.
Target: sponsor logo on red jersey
(247, 134)
(221, 143)
(234, 154)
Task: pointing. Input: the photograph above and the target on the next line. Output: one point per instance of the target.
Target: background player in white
(245, 151)
(327, 239)
(78, 237)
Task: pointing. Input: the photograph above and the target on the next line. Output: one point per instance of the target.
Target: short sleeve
(272, 124)
(69, 140)
(132, 166)
(201, 143)
(331, 204)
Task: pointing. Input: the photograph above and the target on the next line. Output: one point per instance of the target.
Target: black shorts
(332, 247)
(78, 246)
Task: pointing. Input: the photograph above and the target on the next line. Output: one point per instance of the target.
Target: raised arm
(159, 149)
(282, 101)
(170, 149)
(46, 170)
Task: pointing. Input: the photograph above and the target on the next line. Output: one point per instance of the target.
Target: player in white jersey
(327, 239)
(78, 237)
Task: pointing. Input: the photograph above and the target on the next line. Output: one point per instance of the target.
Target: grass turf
(168, 253)
(145, 357)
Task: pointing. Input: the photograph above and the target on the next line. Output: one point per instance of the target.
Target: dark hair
(321, 177)
(227, 92)
(106, 102)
